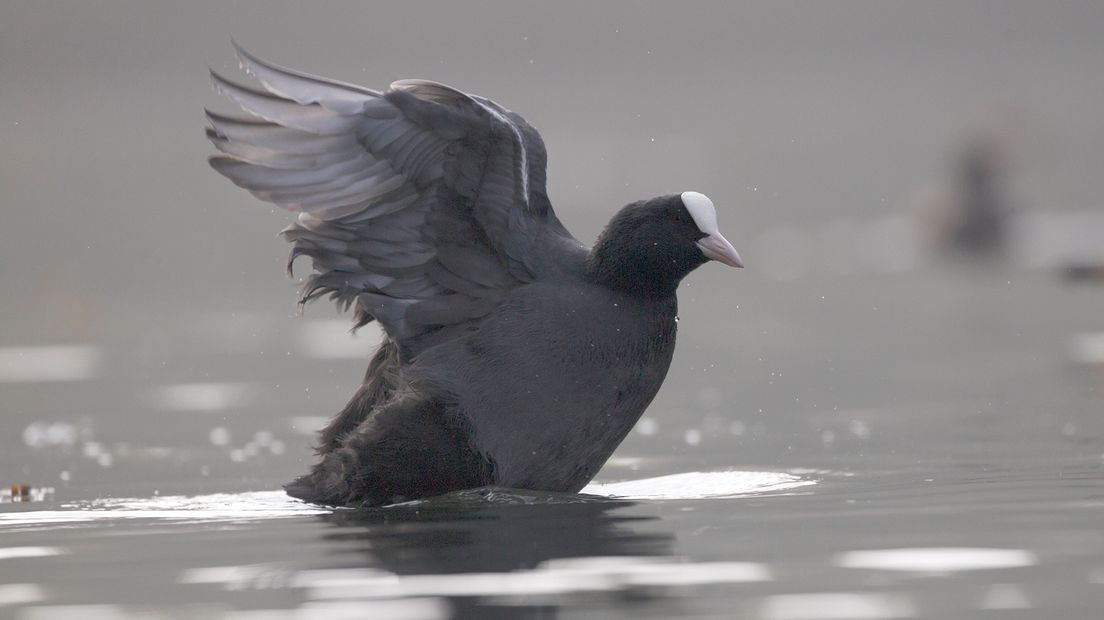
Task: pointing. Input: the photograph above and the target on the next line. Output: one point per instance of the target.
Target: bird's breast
(558, 379)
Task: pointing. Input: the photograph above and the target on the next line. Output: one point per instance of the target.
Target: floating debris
(1083, 272)
(19, 493)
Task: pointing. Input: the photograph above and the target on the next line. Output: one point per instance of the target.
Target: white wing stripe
(524, 159)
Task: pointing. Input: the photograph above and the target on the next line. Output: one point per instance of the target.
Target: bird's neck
(632, 273)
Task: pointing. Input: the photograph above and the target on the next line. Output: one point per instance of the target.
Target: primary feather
(413, 203)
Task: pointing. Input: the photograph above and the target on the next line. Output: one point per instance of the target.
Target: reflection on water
(459, 536)
(472, 558)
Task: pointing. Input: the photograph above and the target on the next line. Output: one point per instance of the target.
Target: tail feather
(381, 380)
(408, 448)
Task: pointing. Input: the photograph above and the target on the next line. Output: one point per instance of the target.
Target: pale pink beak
(715, 247)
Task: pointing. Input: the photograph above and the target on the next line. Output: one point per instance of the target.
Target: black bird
(514, 356)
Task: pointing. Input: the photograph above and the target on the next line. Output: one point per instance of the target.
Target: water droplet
(693, 436)
(219, 436)
(709, 398)
(91, 449)
(859, 429)
(61, 434)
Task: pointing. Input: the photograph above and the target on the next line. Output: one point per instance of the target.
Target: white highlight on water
(203, 397)
(1088, 348)
(308, 424)
(701, 485)
(21, 594)
(177, 509)
(11, 553)
(49, 363)
(559, 576)
(261, 505)
(837, 606)
(331, 340)
(939, 560)
(1004, 596)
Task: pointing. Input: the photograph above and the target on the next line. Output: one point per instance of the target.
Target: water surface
(855, 426)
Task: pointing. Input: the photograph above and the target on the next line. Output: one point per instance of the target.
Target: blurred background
(907, 183)
(902, 391)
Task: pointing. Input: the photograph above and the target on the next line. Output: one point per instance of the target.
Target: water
(852, 428)
(950, 469)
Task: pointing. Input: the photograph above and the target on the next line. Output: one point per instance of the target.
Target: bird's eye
(676, 219)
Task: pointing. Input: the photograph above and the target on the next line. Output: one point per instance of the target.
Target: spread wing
(419, 206)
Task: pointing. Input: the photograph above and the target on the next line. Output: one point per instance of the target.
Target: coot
(514, 355)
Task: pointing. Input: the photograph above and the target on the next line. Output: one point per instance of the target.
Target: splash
(702, 485)
(263, 505)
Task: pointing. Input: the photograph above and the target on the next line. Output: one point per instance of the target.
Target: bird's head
(649, 246)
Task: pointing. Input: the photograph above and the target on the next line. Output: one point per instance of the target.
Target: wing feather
(313, 119)
(339, 97)
(268, 135)
(418, 205)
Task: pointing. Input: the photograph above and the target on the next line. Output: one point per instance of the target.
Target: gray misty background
(817, 129)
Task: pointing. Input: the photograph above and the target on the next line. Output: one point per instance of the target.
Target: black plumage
(514, 355)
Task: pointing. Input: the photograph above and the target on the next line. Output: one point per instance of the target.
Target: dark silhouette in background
(969, 217)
